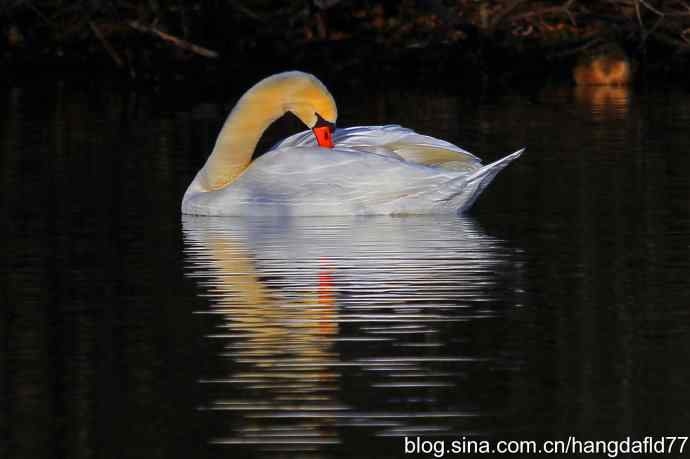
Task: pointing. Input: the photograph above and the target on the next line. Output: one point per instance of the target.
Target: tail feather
(468, 188)
(490, 170)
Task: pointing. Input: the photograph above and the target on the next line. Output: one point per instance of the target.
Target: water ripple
(311, 311)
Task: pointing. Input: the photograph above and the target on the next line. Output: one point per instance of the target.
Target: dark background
(578, 257)
(447, 41)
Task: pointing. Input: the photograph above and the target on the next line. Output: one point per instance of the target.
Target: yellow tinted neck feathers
(300, 93)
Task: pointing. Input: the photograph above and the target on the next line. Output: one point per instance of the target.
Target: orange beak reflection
(324, 136)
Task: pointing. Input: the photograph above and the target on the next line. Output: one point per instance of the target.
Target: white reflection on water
(339, 323)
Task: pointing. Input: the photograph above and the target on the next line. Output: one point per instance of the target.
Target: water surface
(558, 306)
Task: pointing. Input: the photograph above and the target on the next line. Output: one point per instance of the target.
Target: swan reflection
(342, 323)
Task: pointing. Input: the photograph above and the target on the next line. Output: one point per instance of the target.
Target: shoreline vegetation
(439, 40)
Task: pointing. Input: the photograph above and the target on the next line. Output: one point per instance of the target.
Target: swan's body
(371, 170)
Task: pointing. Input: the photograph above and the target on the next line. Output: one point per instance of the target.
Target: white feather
(366, 173)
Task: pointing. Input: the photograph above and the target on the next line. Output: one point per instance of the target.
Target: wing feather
(396, 141)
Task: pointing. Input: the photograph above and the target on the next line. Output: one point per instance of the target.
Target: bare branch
(651, 8)
(639, 16)
(106, 44)
(669, 40)
(505, 12)
(179, 42)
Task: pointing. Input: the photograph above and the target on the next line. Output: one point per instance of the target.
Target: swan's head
(307, 98)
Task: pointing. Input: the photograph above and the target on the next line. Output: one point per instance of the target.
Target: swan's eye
(320, 122)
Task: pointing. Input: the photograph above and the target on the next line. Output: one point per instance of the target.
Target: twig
(565, 9)
(41, 15)
(247, 12)
(639, 16)
(539, 12)
(658, 22)
(684, 35)
(183, 18)
(506, 11)
(180, 43)
(651, 8)
(680, 44)
(106, 44)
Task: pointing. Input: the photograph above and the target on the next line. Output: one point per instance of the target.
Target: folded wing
(396, 141)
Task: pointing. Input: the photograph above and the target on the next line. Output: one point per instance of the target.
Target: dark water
(560, 306)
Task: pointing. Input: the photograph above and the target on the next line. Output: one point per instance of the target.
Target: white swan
(351, 171)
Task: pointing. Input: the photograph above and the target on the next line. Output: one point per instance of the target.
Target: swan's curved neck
(297, 92)
(238, 138)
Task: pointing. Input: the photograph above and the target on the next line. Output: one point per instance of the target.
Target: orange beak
(324, 136)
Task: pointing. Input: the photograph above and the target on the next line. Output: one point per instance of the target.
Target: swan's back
(396, 141)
